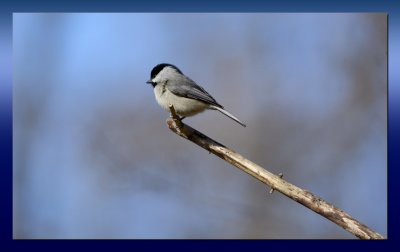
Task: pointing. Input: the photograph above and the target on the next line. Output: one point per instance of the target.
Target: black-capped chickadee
(172, 87)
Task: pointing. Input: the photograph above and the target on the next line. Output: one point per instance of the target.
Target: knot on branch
(280, 175)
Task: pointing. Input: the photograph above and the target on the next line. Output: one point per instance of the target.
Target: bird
(172, 87)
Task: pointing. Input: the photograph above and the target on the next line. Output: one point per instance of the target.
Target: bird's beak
(149, 82)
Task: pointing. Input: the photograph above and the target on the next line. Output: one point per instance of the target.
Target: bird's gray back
(190, 90)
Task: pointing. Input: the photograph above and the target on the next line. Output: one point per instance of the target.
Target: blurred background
(93, 157)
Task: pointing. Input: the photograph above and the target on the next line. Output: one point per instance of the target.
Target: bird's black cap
(160, 67)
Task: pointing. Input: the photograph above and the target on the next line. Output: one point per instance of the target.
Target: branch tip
(174, 122)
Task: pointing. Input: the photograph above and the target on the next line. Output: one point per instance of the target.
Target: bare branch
(276, 183)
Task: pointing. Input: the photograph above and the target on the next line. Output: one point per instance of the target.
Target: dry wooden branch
(276, 183)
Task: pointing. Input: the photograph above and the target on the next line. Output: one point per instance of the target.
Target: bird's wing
(191, 90)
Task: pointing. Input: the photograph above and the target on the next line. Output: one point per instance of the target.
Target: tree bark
(302, 196)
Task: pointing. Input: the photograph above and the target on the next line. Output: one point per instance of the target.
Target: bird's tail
(223, 111)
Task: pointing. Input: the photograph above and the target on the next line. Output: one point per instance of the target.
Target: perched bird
(172, 87)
